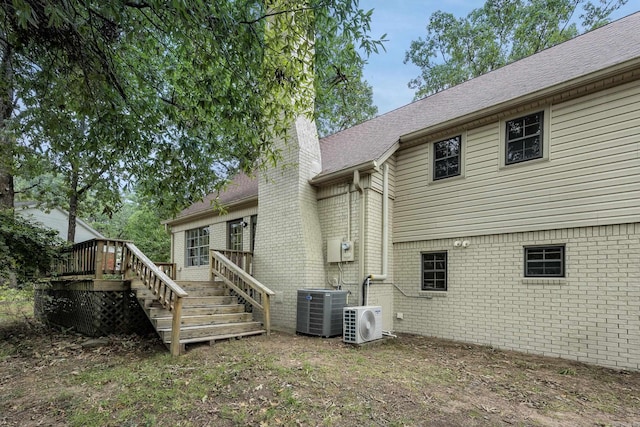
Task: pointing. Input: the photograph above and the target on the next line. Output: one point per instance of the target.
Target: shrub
(27, 250)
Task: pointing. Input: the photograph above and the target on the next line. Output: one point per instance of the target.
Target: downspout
(385, 226)
(356, 184)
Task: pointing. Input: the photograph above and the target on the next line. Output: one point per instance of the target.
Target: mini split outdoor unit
(362, 324)
(320, 311)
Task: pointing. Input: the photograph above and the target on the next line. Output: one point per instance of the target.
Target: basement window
(544, 261)
(434, 271)
(197, 246)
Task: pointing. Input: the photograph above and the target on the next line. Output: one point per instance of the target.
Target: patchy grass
(15, 304)
(51, 378)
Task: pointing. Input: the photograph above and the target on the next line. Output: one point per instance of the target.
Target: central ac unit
(362, 324)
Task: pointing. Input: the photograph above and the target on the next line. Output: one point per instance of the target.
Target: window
(524, 138)
(197, 245)
(544, 261)
(254, 228)
(434, 271)
(235, 229)
(447, 157)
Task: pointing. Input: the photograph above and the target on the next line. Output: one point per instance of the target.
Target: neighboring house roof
(555, 68)
(57, 219)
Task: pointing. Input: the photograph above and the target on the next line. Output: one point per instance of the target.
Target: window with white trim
(235, 230)
(447, 157)
(197, 246)
(523, 138)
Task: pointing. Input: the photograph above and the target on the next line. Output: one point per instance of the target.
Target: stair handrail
(164, 289)
(219, 263)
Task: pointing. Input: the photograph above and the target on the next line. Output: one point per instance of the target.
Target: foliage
(182, 93)
(145, 230)
(343, 97)
(26, 249)
(502, 31)
(138, 221)
(16, 305)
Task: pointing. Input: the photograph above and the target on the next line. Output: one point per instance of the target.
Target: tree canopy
(502, 31)
(177, 94)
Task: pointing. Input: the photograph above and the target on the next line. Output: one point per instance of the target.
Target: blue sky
(406, 20)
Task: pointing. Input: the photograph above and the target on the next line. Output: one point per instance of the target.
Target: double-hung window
(434, 271)
(235, 230)
(447, 158)
(523, 138)
(544, 261)
(197, 245)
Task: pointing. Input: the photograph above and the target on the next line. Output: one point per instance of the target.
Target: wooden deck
(181, 313)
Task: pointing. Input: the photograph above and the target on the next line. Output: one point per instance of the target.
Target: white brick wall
(288, 253)
(592, 315)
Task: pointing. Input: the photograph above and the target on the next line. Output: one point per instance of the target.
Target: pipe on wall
(361, 231)
(385, 226)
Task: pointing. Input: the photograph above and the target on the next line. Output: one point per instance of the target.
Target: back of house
(504, 211)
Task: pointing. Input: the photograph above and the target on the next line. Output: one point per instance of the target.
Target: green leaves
(502, 31)
(177, 95)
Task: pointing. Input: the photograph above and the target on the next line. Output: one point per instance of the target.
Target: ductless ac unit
(362, 324)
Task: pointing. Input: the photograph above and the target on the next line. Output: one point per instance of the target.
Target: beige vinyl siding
(592, 176)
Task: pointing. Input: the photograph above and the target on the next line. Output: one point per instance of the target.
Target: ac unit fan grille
(367, 325)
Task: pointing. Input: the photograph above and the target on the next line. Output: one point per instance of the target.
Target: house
(57, 219)
(504, 211)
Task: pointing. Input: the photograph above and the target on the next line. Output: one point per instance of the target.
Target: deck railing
(242, 259)
(242, 283)
(168, 268)
(101, 257)
(96, 257)
(163, 287)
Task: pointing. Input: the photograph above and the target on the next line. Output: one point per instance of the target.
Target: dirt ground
(49, 378)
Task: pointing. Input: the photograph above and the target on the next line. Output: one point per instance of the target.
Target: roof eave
(207, 212)
(340, 175)
(525, 99)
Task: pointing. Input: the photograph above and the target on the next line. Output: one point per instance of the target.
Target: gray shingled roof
(608, 46)
(242, 188)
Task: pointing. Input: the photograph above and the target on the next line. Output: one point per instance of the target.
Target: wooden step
(147, 299)
(208, 331)
(221, 337)
(192, 284)
(164, 322)
(158, 311)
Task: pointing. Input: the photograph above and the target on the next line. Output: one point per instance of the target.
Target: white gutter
(368, 166)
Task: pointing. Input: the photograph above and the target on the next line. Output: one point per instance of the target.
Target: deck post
(99, 259)
(267, 312)
(175, 327)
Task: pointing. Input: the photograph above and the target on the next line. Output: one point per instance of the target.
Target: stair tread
(221, 337)
(216, 326)
(192, 316)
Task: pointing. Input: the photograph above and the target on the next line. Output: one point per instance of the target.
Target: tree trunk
(7, 192)
(73, 208)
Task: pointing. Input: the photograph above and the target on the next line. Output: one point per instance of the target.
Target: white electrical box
(339, 250)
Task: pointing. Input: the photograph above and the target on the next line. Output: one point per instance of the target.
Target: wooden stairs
(209, 313)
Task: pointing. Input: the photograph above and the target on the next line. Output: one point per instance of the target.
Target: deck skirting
(91, 307)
